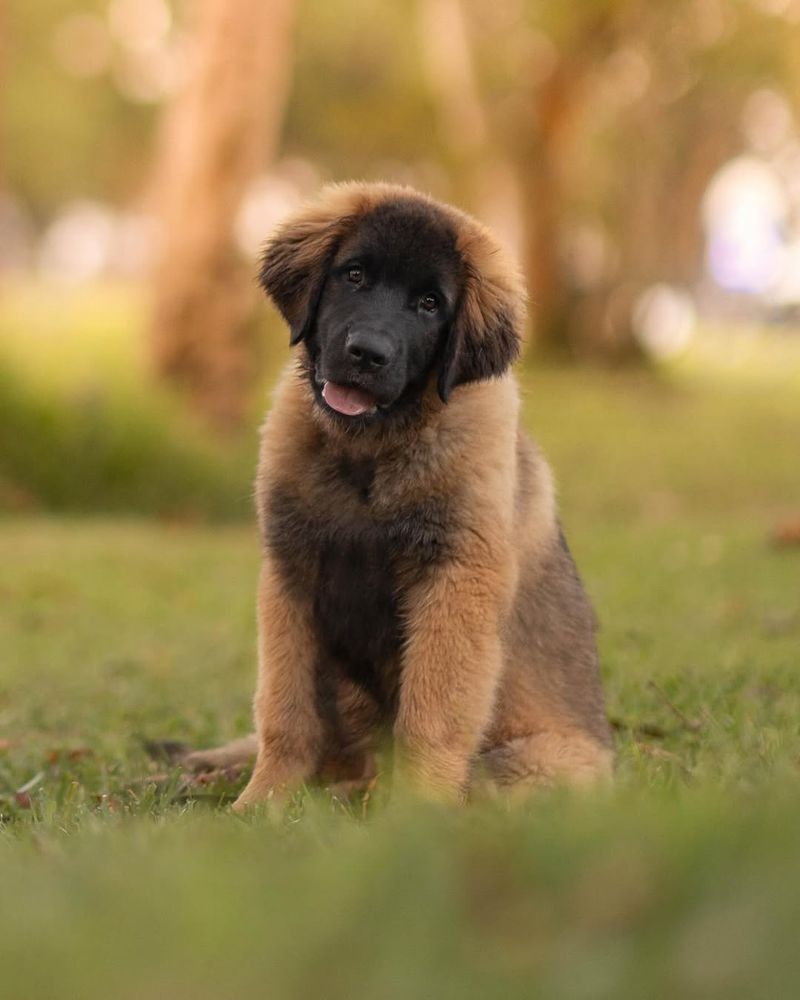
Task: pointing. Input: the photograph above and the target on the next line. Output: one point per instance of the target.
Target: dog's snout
(368, 350)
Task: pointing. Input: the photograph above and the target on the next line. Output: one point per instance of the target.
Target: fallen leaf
(77, 753)
(787, 532)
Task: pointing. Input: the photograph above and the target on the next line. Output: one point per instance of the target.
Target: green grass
(85, 429)
(684, 880)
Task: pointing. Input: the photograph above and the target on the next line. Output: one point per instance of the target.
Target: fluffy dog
(415, 578)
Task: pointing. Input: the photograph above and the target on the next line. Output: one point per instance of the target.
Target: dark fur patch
(355, 612)
(473, 355)
(358, 473)
(422, 533)
(346, 569)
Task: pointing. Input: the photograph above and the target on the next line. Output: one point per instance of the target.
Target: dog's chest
(356, 610)
(355, 565)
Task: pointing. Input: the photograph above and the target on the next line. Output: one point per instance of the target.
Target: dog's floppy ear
(296, 259)
(484, 337)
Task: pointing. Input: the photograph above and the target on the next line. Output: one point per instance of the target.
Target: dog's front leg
(288, 727)
(452, 663)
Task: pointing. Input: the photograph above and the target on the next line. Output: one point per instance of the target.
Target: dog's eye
(355, 275)
(429, 303)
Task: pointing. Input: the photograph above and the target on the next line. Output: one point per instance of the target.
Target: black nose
(368, 350)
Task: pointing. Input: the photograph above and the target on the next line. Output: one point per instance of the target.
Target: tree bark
(219, 132)
(482, 175)
(660, 237)
(4, 31)
(453, 87)
(541, 148)
(541, 170)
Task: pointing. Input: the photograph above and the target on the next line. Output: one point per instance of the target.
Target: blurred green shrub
(83, 428)
(94, 453)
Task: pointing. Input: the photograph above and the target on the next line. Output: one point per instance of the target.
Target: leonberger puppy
(415, 579)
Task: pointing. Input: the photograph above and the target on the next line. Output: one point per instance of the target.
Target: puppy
(415, 579)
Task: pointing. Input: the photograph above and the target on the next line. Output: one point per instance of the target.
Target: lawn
(683, 880)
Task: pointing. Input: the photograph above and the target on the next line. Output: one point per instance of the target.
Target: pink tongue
(347, 399)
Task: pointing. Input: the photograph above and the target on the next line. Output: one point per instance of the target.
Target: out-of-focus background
(642, 158)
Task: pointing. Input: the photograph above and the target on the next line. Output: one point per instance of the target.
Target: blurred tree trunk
(454, 90)
(3, 51)
(658, 201)
(537, 144)
(654, 159)
(219, 132)
(540, 152)
(483, 178)
(544, 147)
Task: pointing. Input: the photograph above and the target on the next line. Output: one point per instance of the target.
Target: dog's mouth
(349, 400)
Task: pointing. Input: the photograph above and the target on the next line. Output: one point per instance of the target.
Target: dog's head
(386, 287)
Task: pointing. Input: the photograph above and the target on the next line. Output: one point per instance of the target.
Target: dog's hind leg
(547, 758)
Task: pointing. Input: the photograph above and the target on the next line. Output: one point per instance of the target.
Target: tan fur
(498, 670)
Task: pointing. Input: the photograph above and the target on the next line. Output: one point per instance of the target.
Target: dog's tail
(237, 754)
